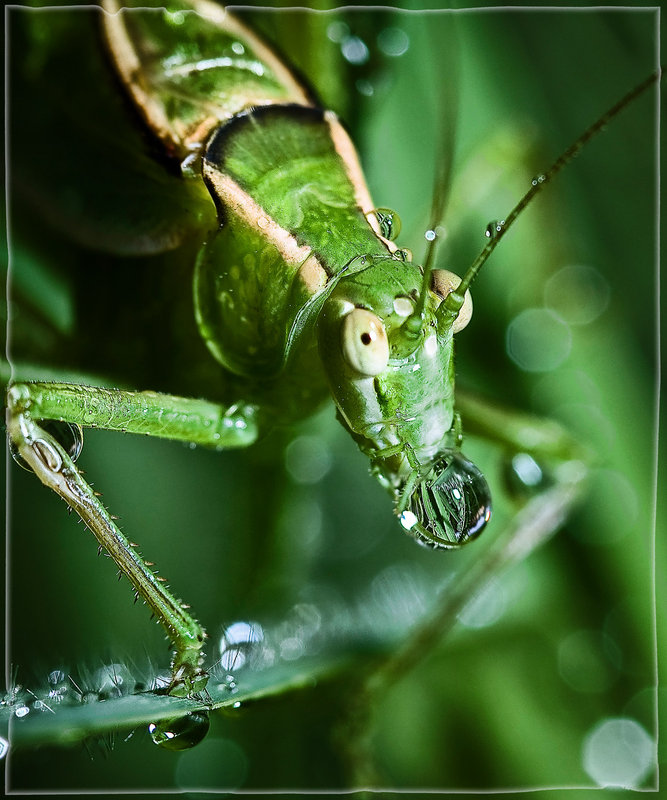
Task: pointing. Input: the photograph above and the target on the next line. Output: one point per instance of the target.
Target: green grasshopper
(299, 292)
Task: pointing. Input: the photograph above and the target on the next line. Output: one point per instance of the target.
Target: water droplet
(453, 502)
(403, 255)
(430, 235)
(4, 747)
(619, 752)
(494, 229)
(393, 42)
(389, 222)
(538, 179)
(354, 50)
(21, 711)
(537, 340)
(68, 435)
(181, 733)
(56, 676)
(238, 48)
(113, 680)
(239, 642)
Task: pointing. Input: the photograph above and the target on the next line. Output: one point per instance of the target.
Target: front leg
(150, 413)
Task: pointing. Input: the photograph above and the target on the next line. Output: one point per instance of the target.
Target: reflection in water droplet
(619, 752)
(579, 294)
(453, 503)
(354, 50)
(181, 733)
(393, 41)
(537, 340)
(430, 235)
(583, 662)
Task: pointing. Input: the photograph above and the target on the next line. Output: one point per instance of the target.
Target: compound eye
(442, 283)
(365, 343)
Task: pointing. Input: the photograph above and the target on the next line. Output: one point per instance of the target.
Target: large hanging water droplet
(69, 436)
(453, 503)
(181, 733)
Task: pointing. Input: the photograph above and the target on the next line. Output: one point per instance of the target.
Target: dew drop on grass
(181, 733)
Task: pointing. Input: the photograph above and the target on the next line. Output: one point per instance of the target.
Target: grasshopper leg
(138, 412)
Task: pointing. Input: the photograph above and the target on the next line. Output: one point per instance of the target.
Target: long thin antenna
(451, 305)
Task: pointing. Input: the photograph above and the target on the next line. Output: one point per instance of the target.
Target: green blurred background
(522, 693)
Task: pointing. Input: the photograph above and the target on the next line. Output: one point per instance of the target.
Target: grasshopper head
(393, 384)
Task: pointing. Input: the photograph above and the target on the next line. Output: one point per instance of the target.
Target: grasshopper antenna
(451, 305)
